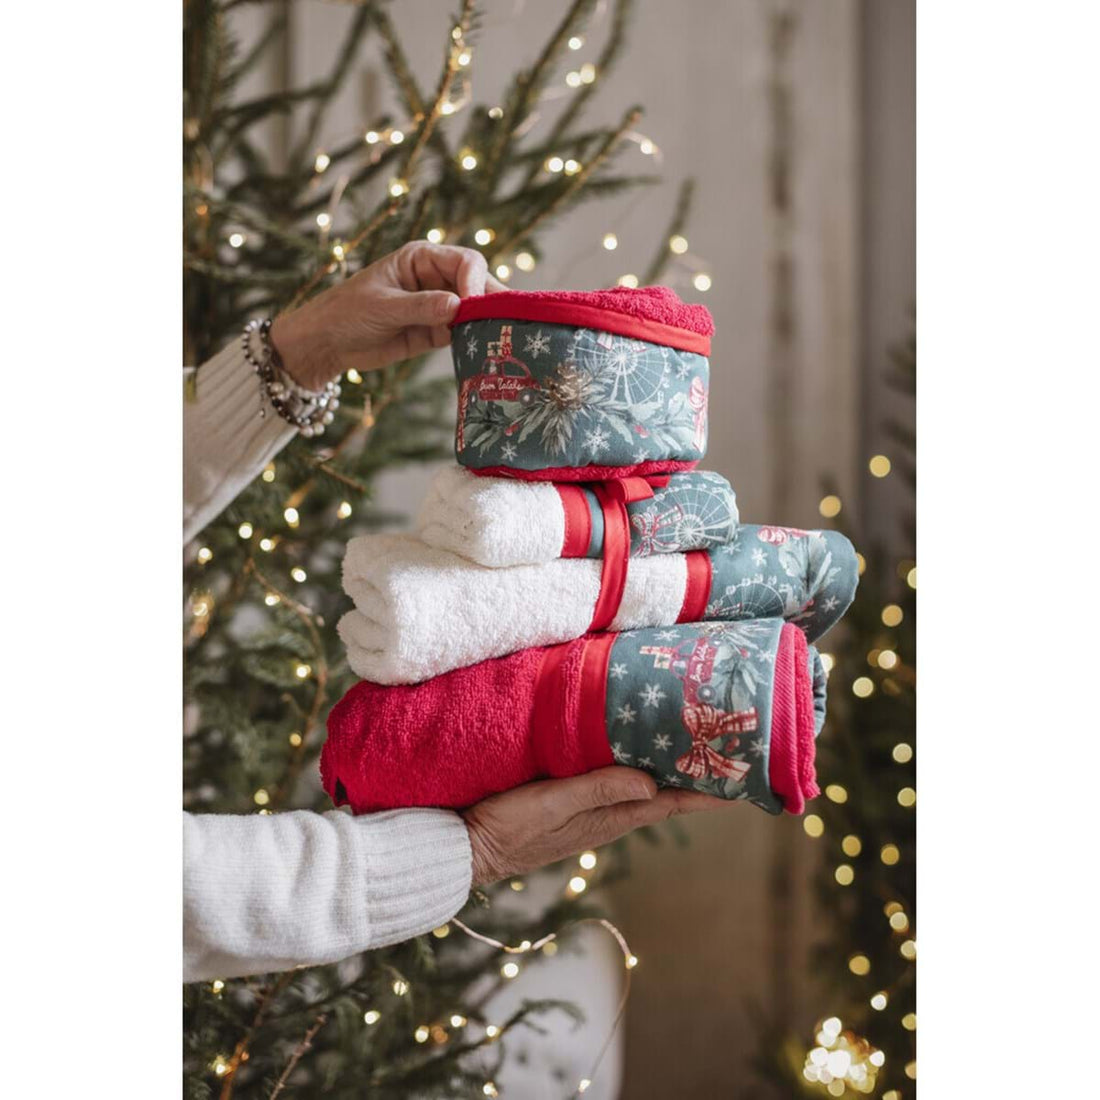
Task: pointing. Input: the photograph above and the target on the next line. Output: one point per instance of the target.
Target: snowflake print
(596, 440)
(757, 748)
(627, 713)
(618, 671)
(668, 635)
(662, 741)
(683, 369)
(640, 455)
(536, 344)
(645, 762)
(471, 346)
(830, 604)
(619, 752)
(651, 695)
(759, 557)
(508, 451)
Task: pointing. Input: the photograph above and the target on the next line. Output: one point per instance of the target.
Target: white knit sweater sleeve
(265, 893)
(262, 892)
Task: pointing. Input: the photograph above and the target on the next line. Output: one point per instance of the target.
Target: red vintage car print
(502, 378)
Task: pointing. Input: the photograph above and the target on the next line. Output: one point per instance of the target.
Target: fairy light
(267, 545)
(678, 244)
(496, 113)
(236, 240)
(458, 1020)
(887, 659)
(442, 932)
(371, 1017)
(834, 792)
(201, 605)
(468, 161)
(324, 220)
(842, 1059)
(573, 78)
(398, 188)
(338, 252)
(298, 573)
(509, 970)
(911, 1070)
(354, 377)
(435, 235)
(204, 555)
(890, 854)
(518, 885)
(396, 137)
(261, 797)
(492, 1031)
(503, 272)
(701, 281)
(859, 965)
(828, 661)
(911, 578)
(464, 58)
(583, 1085)
(216, 986)
(554, 164)
(578, 885)
(525, 261)
(572, 167)
(851, 845)
(879, 466)
(587, 860)
(844, 874)
(879, 1001)
(447, 107)
(909, 1021)
(269, 473)
(576, 42)
(863, 686)
(892, 615)
(245, 530)
(483, 236)
(421, 1034)
(322, 162)
(220, 1065)
(899, 921)
(344, 510)
(903, 752)
(302, 671)
(610, 242)
(813, 825)
(861, 563)
(907, 797)
(908, 950)
(829, 506)
(400, 986)
(295, 739)
(291, 516)
(489, 1089)
(550, 949)
(628, 280)
(646, 147)
(271, 599)
(372, 137)
(588, 73)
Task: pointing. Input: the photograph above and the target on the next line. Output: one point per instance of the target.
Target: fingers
(428, 308)
(425, 266)
(604, 787)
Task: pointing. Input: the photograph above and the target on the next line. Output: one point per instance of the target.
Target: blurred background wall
(798, 121)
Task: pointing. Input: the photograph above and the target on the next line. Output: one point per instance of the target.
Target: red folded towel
(725, 708)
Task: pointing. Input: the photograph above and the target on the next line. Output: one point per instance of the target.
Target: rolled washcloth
(730, 709)
(420, 611)
(500, 521)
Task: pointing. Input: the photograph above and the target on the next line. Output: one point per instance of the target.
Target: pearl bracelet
(308, 410)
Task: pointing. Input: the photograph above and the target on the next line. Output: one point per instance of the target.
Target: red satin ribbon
(578, 521)
(614, 496)
(697, 587)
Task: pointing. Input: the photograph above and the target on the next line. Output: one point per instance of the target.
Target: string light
(442, 932)
(295, 739)
(892, 615)
(435, 235)
(862, 686)
(397, 137)
(261, 797)
(701, 281)
(572, 167)
(583, 1086)
(216, 986)
(861, 563)
(509, 970)
(468, 162)
(911, 1070)
(371, 137)
(829, 506)
(879, 1001)
(573, 78)
(844, 875)
(907, 797)
(302, 671)
(842, 1060)
(354, 377)
(496, 113)
(577, 885)
(646, 147)
(338, 252)
(245, 530)
(587, 860)
(371, 1017)
(628, 280)
(887, 659)
(828, 661)
(421, 1034)
(464, 58)
(447, 107)
(503, 272)
(291, 517)
(890, 854)
(492, 1031)
(834, 792)
(879, 466)
(400, 987)
(851, 845)
(267, 545)
(588, 73)
(678, 244)
(859, 965)
(525, 261)
(550, 948)
(324, 220)
(204, 555)
(813, 825)
(271, 599)
(269, 473)
(517, 884)
(484, 236)
(322, 162)
(903, 752)
(630, 962)
(220, 1065)
(458, 1020)
(398, 188)
(576, 42)
(344, 510)
(908, 950)
(489, 1089)
(298, 573)
(909, 1021)
(911, 578)
(899, 922)
(554, 164)
(610, 242)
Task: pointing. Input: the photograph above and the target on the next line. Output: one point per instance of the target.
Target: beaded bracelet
(307, 410)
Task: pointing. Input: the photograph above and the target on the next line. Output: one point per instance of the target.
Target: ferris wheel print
(629, 372)
(756, 597)
(704, 517)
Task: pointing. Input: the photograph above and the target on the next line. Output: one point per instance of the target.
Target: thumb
(423, 307)
(605, 787)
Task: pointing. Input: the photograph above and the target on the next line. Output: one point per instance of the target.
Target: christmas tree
(262, 660)
(864, 1043)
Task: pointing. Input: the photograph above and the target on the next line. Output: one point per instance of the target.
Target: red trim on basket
(579, 315)
(697, 586)
(578, 521)
(589, 473)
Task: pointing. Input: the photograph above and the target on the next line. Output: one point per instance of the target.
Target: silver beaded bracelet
(308, 410)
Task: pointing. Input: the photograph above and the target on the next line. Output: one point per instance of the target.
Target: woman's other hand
(397, 307)
(540, 823)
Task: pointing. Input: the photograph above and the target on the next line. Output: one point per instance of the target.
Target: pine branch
(679, 220)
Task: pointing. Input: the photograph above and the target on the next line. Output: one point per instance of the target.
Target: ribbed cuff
(419, 870)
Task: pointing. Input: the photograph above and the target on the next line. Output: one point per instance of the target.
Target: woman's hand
(398, 307)
(540, 823)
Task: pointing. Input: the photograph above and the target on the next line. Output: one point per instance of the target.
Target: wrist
(303, 356)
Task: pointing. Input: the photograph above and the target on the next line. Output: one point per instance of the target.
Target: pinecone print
(570, 388)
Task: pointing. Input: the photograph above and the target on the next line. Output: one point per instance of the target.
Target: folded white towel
(503, 521)
(420, 611)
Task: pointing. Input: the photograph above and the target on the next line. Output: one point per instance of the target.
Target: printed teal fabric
(692, 705)
(696, 510)
(533, 395)
(806, 577)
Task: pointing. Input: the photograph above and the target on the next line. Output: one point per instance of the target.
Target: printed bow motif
(705, 723)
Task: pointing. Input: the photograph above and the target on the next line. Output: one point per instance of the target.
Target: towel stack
(576, 593)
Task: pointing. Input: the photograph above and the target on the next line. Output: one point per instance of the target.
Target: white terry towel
(420, 611)
(502, 521)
